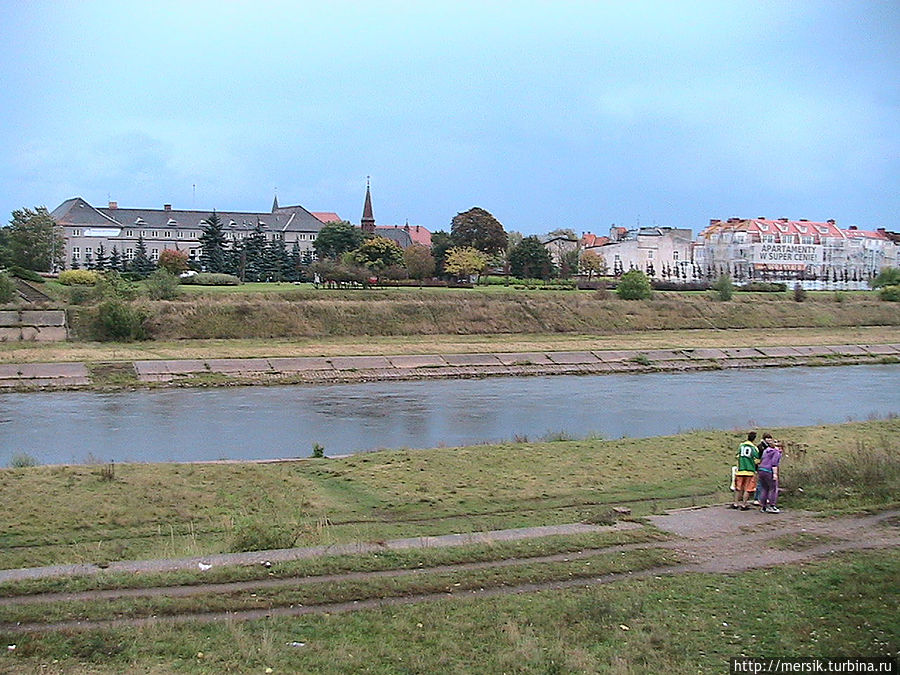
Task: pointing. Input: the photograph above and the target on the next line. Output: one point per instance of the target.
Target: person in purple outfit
(767, 473)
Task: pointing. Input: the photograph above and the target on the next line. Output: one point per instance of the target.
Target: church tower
(367, 224)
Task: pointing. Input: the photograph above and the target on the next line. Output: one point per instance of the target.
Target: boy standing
(745, 478)
(768, 478)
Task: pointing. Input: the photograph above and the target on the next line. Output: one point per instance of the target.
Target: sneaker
(756, 502)
(773, 509)
(744, 507)
(732, 506)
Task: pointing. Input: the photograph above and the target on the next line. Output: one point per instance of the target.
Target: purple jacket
(771, 458)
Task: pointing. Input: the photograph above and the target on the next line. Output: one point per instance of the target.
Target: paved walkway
(425, 366)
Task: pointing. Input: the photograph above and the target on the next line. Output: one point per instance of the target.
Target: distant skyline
(547, 114)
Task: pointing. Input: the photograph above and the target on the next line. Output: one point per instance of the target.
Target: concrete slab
(10, 371)
(524, 359)
(182, 367)
(848, 350)
(665, 355)
(814, 350)
(614, 356)
(300, 364)
(51, 334)
(705, 354)
(778, 351)
(568, 358)
(472, 360)
(880, 349)
(360, 362)
(238, 365)
(52, 370)
(417, 361)
(48, 317)
(10, 317)
(10, 333)
(742, 353)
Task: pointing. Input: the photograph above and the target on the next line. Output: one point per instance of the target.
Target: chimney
(113, 205)
(783, 220)
(830, 221)
(167, 207)
(852, 227)
(881, 229)
(713, 221)
(804, 220)
(761, 218)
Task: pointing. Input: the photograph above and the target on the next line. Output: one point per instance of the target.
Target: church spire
(275, 202)
(367, 224)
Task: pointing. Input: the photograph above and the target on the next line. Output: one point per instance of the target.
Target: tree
(115, 260)
(634, 285)
(592, 263)
(141, 265)
(464, 261)
(174, 262)
(32, 240)
(888, 276)
(724, 287)
(101, 263)
(377, 254)
(440, 244)
(478, 229)
(337, 238)
(530, 260)
(213, 244)
(254, 251)
(419, 262)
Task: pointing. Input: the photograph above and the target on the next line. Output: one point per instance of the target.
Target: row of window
(129, 253)
(180, 234)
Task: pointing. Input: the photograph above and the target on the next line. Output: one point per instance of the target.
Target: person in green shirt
(745, 478)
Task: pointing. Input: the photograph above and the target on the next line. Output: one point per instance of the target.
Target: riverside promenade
(346, 369)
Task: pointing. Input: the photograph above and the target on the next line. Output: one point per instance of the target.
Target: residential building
(653, 250)
(86, 228)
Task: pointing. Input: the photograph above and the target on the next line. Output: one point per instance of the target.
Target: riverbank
(354, 369)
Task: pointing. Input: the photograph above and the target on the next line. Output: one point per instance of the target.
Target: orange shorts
(745, 483)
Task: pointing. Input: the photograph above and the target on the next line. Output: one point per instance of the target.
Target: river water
(285, 421)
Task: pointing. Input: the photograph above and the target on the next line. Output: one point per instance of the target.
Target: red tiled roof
(326, 216)
(867, 234)
(783, 226)
(417, 233)
(589, 240)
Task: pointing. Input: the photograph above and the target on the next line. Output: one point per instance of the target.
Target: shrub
(840, 297)
(889, 276)
(27, 275)
(660, 285)
(890, 293)
(318, 451)
(212, 279)
(634, 285)
(118, 321)
(763, 287)
(799, 293)
(22, 460)
(864, 472)
(724, 287)
(78, 277)
(114, 285)
(251, 535)
(162, 285)
(173, 261)
(7, 289)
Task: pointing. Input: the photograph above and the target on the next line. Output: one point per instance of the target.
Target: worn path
(702, 536)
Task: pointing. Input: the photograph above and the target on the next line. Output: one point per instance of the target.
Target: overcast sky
(548, 114)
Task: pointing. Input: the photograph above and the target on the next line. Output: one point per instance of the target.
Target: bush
(251, 535)
(864, 473)
(78, 277)
(763, 287)
(634, 285)
(724, 287)
(111, 284)
(889, 276)
(8, 291)
(659, 285)
(27, 275)
(212, 279)
(118, 321)
(22, 460)
(799, 293)
(162, 285)
(890, 293)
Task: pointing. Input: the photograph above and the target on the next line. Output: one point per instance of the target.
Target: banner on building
(786, 256)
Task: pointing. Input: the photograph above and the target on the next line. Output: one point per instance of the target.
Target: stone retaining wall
(47, 325)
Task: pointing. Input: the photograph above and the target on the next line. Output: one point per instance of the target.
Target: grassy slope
(166, 510)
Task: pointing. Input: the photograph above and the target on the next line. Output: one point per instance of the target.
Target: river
(285, 421)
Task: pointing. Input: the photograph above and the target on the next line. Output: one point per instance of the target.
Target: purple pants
(768, 488)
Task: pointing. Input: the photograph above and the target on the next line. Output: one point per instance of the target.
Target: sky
(556, 114)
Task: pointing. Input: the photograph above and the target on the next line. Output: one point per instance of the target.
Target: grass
(686, 624)
(175, 510)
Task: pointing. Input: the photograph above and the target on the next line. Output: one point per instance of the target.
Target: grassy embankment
(625, 627)
(75, 514)
(307, 322)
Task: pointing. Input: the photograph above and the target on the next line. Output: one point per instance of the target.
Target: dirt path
(703, 536)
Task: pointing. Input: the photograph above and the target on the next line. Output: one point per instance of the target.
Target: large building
(87, 228)
(814, 254)
(652, 250)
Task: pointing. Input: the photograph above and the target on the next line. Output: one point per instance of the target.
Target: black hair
(751, 436)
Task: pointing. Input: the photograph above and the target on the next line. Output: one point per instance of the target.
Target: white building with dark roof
(86, 228)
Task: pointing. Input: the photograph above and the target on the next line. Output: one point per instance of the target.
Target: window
(787, 239)
(143, 233)
(169, 234)
(129, 233)
(674, 255)
(806, 240)
(768, 238)
(129, 253)
(76, 233)
(650, 255)
(180, 234)
(154, 253)
(155, 234)
(76, 253)
(88, 251)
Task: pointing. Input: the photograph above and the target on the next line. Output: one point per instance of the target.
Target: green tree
(377, 254)
(213, 245)
(115, 260)
(888, 276)
(634, 285)
(141, 265)
(174, 262)
(724, 287)
(8, 291)
(592, 263)
(530, 260)
(478, 229)
(337, 238)
(464, 261)
(419, 262)
(101, 262)
(440, 244)
(32, 240)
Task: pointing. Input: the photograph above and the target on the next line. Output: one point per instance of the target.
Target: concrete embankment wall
(33, 325)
